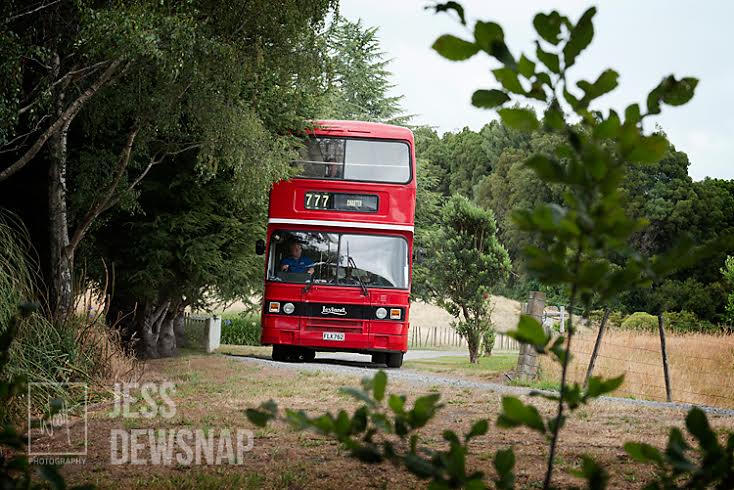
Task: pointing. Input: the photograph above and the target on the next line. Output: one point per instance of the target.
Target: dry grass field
(701, 366)
(212, 392)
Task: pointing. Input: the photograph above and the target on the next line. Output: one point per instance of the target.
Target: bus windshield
(339, 259)
(363, 160)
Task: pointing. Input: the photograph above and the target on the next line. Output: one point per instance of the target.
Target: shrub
(241, 330)
(675, 321)
(614, 321)
(16, 470)
(640, 321)
(687, 322)
(488, 338)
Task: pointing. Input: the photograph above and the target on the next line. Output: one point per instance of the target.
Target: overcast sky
(643, 40)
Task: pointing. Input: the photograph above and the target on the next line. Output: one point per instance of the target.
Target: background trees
(359, 80)
(496, 178)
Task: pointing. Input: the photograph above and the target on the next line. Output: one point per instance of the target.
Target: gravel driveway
(360, 365)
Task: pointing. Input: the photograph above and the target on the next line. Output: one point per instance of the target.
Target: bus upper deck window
(380, 161)
(361, 160)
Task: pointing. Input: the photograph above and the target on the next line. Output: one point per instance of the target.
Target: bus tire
(379, 358)
(308, 355)
(280, 353)
(395, 360)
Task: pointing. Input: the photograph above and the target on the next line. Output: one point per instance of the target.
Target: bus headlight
(381, 313)
(288, 308)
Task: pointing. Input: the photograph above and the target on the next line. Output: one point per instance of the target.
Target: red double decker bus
(339, 246)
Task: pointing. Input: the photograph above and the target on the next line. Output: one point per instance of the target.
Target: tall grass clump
(79, 349)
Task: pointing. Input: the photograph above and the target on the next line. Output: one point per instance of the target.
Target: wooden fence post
(527, 361)
(663, 349)
(597, 345)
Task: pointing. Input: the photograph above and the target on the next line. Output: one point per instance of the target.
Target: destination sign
(337, 201)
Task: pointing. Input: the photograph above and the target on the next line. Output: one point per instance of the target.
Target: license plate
(334, 336)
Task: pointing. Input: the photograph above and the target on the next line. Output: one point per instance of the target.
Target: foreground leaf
(454, 48)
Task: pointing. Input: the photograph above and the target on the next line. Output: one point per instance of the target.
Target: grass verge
(491, 367)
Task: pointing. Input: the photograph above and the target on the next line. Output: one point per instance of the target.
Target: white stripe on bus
(351, 224)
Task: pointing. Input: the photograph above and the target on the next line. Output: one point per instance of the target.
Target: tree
(193, 245)
(360, 81)
(511, 186)
(101, 93)
(664, 195)
(466, 262)
(184, 238)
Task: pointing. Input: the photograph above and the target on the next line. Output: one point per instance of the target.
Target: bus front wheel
(395, 360)
(280, 353)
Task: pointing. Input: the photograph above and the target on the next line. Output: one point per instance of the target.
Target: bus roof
(364, 129)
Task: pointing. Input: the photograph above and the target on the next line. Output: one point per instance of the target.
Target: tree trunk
(178, 329)
(150, 327)
(62, 257)
(166, 335)
(472, 342)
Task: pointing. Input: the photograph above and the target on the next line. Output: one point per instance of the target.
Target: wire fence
(701, 366)
(448, 338)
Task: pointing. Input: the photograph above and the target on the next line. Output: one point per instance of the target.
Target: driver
(296, 261)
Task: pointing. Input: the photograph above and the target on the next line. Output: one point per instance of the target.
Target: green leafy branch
(583, 238)
(385, 428)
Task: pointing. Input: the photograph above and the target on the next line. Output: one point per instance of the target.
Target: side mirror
(260, 247)
(419, 255)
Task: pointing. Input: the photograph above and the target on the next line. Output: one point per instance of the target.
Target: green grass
(218, 478)
(486, 367)
(539, 384)
(240, 329)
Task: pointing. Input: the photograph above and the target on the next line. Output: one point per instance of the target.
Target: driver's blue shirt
(302, 264)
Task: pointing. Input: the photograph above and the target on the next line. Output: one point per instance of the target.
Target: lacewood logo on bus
(332, 310)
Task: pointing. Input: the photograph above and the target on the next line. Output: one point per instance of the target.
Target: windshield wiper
(365, 291)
